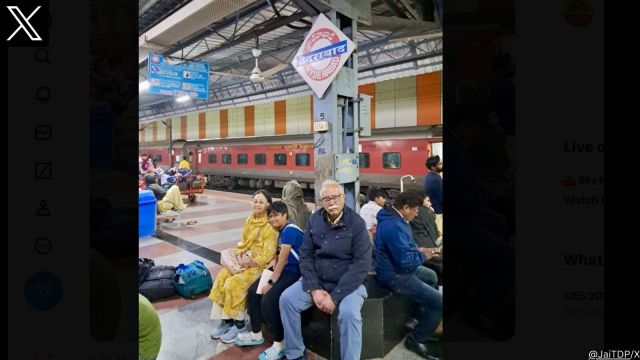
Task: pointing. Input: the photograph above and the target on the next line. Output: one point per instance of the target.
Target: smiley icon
(43, 245)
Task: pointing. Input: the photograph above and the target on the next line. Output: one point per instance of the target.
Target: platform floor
(185, 323)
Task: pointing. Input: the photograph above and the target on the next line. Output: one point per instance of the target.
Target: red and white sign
(322, 54)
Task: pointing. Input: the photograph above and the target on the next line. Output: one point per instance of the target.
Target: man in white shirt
(368, 212)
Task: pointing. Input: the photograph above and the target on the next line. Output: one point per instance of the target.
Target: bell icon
(43, 94)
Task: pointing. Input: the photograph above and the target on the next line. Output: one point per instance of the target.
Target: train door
(177, 156)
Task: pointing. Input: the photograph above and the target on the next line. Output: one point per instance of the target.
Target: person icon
(43, 210)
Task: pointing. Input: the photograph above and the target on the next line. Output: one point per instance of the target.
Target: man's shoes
(411, 323)
(418, 348)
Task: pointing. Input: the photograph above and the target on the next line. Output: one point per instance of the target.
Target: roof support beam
(251, 34)
(311, 8)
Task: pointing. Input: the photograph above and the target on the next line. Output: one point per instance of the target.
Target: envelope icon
(43, 132)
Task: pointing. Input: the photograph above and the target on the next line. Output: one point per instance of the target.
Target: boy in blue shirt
(285, 273)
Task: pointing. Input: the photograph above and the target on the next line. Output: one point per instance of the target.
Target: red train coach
(260, 162)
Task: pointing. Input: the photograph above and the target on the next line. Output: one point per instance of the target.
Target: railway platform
(215, 219)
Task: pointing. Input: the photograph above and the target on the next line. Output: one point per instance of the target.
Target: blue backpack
(193, 279)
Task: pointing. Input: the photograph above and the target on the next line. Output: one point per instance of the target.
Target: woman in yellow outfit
(172, 200)
(229, 293)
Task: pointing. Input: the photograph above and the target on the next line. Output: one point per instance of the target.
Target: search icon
(42, 56)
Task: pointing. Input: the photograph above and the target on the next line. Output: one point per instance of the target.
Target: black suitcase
(144, 266)
(159, 283)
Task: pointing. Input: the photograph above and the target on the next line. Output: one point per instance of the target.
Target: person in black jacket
(335, 258)
(425, 233)
(423, 226)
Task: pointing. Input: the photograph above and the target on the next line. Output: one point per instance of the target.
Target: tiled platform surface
(185, 323)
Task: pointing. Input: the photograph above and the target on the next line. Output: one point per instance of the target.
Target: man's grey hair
(330, 183)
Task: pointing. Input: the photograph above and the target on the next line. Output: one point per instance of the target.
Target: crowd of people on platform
(323, 259)
(164, 184)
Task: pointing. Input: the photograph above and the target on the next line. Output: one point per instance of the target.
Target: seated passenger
(149, 330)
(229, 293)
(426, 235)
(285, 273)
(184, 164)
(293, 197)
(335, 258)
(144, 164)
(368, 212)
(399, 267)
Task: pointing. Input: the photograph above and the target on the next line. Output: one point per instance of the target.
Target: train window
(303, 159)
(363, 160)
(243, 159)
(226, 158)
(280, 159)
(391, 160)
(260, 159)
(213, 158)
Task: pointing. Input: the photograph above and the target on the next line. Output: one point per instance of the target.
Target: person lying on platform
(285, 273)
(168, 200)
(259, 240)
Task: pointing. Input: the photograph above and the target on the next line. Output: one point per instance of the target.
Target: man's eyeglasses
(330, 198)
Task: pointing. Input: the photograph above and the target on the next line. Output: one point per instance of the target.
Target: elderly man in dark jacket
(399, 267)
(335, 258)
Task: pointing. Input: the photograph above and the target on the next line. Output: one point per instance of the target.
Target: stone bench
(383, 318)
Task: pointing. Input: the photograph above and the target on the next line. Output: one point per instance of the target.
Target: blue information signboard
(189, 78)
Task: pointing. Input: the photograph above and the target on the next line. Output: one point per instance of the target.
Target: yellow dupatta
(259, 239)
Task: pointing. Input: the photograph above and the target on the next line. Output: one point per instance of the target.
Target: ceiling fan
(257, 75)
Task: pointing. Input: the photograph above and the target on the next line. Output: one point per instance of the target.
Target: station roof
(401, 40)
